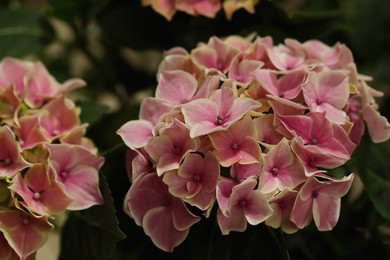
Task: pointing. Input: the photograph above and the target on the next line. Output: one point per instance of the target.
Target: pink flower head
(176, 87)
(320, 199)
(266, 131)
(30, 131)
(282, 205)
(78, 169)
(169, 148)
(11, 160)
(319, 93)
(208, 8)
(238, 173)
(331, 57)
(281, 169)
(231, 6)
(320, 135)
(237, 144)
(164, 218)
(41, 194)
(285, 57)
(219, 112)
(59, 116)
(241, 69)
(195, 181)
(23, 232)
(215, 55)
(246, 205)
(312, 160)
(15, 72)
(285, 86)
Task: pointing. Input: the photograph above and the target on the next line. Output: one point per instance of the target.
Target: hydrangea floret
(47, 164)
(250, 129)
(207, 8)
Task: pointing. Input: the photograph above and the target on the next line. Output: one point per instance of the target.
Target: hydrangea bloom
(208, 8)
(278, 117)
(47, 165)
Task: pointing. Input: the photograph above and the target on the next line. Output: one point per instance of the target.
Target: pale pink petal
(176, 87)
(378, 126)
(14, 71)
(11, 160)
(136, 133)
(234, 222)
(301, 213)
(158, 225)
(326, 212)
(152, 109)
(24, 233)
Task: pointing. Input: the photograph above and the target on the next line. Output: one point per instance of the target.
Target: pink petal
(14, 71)
(301, 213)
(11, 160)
(136, 133)
(152, 109)
(157, 224)
(176, 87)
(82, 186)
(24, 233)
(233, 222)
(378, 126)
(326, 212)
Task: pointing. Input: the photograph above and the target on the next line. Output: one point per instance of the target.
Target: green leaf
(378, 190)
(92, 233)
(374, 170)
(22, 32)
(91, 112)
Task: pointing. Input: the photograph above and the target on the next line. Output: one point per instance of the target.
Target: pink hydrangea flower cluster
(251, 128)
(47, 165)
(207, 8)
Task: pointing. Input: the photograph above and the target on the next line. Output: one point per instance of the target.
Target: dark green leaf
(91, 112)
(22, 32)
(92, 233)
(374, 170)
(378, 190)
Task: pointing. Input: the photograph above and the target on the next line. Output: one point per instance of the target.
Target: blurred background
(116, 46)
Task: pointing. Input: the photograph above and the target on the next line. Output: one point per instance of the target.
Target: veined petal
(176, 87)
(326, 211)
(136, 133)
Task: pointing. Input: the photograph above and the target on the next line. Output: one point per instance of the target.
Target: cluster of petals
(207, 8)
(250, 129)
(47, 164)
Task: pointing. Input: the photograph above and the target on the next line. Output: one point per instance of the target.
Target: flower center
(176, 150)
(36, 196)
(234, 146)
(242, 203)
(64, 174)
(314, 141)
(314, 194)
(275, 171)
(218, 120)
(196, 178)
(25, 221)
